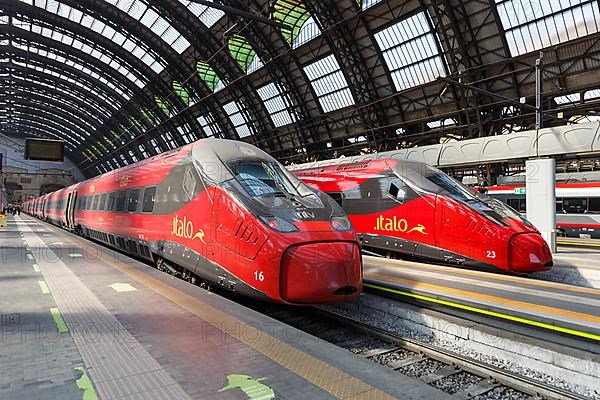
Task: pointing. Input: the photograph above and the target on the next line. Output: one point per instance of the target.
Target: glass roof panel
(567, 98)
(591, 94)
(182, 92)
(411, 52)
(242, 51)
(209, 126)
(294, 14)
(238, 119)
(149, 17)
(208, 15)
(278, 104)
(207, 74)
(81, 46)
(368, 3)
(329, 84)
(87, 21)
(163, 105)
(531, 26)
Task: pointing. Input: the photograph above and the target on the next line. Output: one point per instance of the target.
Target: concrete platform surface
(566, 309)
(79, 320)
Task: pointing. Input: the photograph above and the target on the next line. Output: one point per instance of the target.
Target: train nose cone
(528, 252)
(321, 272)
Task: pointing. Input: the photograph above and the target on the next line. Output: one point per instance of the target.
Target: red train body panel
(410, 208)
(225, 211)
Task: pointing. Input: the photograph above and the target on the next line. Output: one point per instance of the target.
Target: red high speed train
(412, 209)
(223, 211)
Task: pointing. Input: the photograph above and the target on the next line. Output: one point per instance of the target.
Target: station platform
(561, 308)
(80, 320)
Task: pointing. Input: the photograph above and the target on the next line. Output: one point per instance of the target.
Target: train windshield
(263, 178)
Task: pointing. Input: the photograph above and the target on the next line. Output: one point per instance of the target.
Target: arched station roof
(122, 80)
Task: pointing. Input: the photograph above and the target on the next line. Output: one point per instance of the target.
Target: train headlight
(341, 223)
(278, 224)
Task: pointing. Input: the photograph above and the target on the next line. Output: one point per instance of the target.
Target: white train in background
(577, 206)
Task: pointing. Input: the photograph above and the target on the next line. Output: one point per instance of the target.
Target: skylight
(278, 104)
(209, 127)
(567, 98)
(294, 14)
(153, 21)
(329, 84)
(411, 53)
(531, 26)
(238, 119)
(132, 46)
(79, 45)
(208, 15)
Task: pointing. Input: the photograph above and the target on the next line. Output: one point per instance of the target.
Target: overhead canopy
(122, 80)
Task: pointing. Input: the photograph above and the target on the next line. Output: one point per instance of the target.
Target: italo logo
(396, 224)
(182, 228)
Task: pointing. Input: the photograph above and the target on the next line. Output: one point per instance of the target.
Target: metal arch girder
(40, 101)
(79, 56)
(204, 42)
(68, 94)
(67, 87)
(107, 91)
(72, 110)
(110, 14)
(53, 21)
(265, 40)
(57, 115)
(336, 18)
(134, 63)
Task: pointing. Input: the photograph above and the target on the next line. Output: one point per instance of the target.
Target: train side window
(397, 189)
(575, 205)
(133, 200)
(121, 201)
(559, 205)
(102, 202)
(95, 202)
(149, 198)
(337, 196)
(594, 205)
(111, 202)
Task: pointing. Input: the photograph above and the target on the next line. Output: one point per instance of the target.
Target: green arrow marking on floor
(36, 268)
(85, 384)
(122, 287)
(250, 386)
(44, 287)
(58, 320)
(75, 255)
(30, 256)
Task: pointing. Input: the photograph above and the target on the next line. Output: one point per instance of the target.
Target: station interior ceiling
(305, 80)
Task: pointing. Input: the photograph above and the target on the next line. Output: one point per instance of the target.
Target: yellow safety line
(487, 312)
(489, 275)
(327, 377)
(583, 244)
(486, 297)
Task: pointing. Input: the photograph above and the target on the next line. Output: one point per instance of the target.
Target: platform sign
(520, 190)
(44, 150)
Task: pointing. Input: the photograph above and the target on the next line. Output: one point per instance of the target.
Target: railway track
(460, 376)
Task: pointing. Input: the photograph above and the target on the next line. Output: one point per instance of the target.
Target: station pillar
(541, 197)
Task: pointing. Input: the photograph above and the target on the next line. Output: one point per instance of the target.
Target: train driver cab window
(337, 196)
(149, 199)
(120, 201)
(102, 202)
(133, 200)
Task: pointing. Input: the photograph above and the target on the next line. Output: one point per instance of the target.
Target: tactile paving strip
(117, 363)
